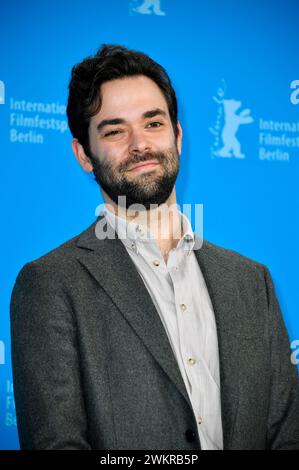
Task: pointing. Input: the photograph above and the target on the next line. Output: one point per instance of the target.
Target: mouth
(144, 166)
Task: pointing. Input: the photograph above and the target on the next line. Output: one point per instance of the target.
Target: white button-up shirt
(180, 295)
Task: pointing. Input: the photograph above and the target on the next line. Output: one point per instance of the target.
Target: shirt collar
(133, 234)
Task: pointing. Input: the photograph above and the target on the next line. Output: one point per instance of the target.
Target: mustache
(137, 158)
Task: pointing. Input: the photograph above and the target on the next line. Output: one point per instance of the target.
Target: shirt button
(199, 420)
(183, 307)
(191, 361)
(156, 262)
(133, 245)
(138, 229)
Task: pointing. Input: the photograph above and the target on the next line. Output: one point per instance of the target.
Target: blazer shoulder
(232, 259)
(56, 263)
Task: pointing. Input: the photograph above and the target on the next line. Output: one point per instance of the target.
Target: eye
(156, 122)
(112, 133)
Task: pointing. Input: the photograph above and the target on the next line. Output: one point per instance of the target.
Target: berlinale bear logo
(148, 7)
(2, 353)
(2, 92)
(228, 120)
(231, 145)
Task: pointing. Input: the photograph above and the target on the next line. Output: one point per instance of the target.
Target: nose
(138, 142)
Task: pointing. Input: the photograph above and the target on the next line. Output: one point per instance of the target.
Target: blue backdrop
(234, 66)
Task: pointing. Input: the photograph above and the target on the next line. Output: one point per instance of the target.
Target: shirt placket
(186, 323)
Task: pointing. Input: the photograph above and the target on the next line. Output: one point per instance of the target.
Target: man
(137, 334)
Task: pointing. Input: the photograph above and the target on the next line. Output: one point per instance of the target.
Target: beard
(151, 187)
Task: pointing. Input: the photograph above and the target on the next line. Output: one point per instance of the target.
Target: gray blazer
(93, 367)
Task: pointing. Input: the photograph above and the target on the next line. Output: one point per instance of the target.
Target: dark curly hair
(110, 62)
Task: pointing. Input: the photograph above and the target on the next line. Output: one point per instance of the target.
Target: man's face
(140, 130)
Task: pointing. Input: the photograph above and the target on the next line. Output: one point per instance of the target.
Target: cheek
(114, 154)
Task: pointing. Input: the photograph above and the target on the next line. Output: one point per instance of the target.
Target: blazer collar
(109, 263)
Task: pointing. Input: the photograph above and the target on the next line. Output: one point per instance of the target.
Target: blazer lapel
(223, 290)
(109, 263)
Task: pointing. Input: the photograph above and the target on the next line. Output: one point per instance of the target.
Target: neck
(164, 221)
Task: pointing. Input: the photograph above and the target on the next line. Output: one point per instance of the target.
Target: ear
(81, 156)
(179, 137)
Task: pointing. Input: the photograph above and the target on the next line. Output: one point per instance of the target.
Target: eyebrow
(114, 121)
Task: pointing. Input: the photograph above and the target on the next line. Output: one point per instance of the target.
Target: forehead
(131, 95)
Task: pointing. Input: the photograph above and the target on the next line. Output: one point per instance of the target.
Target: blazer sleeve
(283, 418)
(45, 362)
